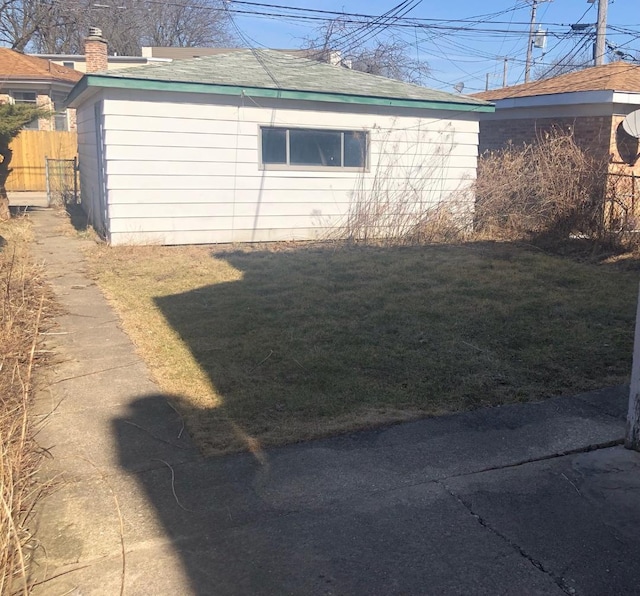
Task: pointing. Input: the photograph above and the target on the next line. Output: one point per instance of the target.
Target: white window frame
(313, 168)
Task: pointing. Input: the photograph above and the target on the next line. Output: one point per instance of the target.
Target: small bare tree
(407, 199)
(385, 56)
(563, 65)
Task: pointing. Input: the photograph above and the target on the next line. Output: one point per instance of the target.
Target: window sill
(289, 168)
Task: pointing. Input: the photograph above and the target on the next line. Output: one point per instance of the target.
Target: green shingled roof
(278, 74)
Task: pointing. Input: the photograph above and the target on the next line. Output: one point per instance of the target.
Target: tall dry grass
(24, 308)
(551, 188)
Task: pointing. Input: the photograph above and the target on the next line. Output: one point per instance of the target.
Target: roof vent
(95, 32)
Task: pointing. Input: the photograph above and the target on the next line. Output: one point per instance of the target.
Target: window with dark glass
(314, 148)
(355, 149)
(24, 96)
(60, 119)
(274, 145)
(29, 97)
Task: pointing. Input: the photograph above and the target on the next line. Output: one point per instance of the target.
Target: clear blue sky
(466, 55)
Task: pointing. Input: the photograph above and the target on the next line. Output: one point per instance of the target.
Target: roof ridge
(34, 67)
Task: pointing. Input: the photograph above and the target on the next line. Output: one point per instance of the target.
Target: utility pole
(532, 30)
(599, 48)
(504, 73)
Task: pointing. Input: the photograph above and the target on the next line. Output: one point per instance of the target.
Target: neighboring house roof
(114, 59)
(15, 66)
(615, 76)
(269, 73)
(174, 53)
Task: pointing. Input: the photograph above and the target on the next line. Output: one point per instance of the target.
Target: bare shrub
(405, 219)
(550, 188)
(23, 305)
(408, 200)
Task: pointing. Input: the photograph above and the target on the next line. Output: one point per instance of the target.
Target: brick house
(592, 103)
(26, 79)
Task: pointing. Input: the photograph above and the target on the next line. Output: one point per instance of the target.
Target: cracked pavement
(523, 499)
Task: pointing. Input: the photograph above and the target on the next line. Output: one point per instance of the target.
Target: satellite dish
(459, 87)
(631, 124)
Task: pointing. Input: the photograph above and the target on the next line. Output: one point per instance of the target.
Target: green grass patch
(266, 346)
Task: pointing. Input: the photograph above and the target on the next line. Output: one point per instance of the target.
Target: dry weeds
(551, 188)
(24, 307)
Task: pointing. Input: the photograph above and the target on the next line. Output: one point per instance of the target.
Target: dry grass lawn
(271, 345)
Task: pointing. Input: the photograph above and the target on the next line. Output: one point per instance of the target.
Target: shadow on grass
(314, 341)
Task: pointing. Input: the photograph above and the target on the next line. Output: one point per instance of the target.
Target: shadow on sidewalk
(368, 513)
(78, 218)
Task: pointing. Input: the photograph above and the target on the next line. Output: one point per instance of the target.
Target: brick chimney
(95, 51)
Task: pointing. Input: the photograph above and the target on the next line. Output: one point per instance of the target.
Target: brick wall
(599, 135)
(622, 207)
(591, 132)
(95, 49)
(624, 149)
(45, 102)
(71, 119)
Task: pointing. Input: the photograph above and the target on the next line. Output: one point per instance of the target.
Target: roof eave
(555, 99)
(35, 80)
(111, 82)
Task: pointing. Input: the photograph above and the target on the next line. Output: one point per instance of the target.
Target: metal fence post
(632, 439)
(46, 173)
(75, 180)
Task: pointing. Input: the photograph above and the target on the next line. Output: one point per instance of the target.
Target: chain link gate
(62, 181)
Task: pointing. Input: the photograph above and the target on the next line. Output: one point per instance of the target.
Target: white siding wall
(185, 168)
(88, 161)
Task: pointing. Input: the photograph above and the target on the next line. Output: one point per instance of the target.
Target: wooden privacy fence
(31, 148)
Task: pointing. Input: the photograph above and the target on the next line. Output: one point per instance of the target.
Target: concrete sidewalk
(523, 499)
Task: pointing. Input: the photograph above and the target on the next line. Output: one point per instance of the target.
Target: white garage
(252, 146)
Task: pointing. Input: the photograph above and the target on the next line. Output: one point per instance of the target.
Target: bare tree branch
(53, 27)
(386, 56)
(20, 21)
